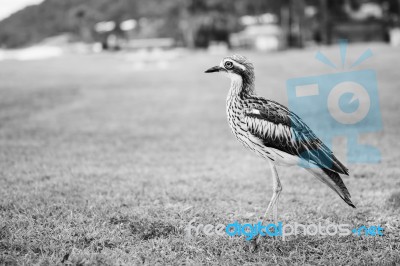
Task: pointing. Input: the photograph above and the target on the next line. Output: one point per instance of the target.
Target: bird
(275, 133)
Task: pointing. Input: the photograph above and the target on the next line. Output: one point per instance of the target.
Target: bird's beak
(214, 69)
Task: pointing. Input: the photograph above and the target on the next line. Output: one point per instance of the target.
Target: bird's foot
(254, 243)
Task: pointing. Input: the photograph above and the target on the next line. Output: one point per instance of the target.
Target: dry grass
(103, 165)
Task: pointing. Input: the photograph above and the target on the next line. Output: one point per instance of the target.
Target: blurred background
(263, 25)
(112, 137)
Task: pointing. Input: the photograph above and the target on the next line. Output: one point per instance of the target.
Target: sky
(7, 7)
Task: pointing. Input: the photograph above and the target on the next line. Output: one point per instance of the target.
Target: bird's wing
(279, 128)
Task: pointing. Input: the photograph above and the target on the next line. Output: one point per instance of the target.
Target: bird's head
(238, 69)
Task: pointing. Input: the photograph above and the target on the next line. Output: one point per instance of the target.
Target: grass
(102, 164)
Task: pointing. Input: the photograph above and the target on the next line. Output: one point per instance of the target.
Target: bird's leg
(277, 188)
(275, 212)
(278, 191)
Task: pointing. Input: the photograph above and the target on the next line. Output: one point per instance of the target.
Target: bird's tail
(333, 180)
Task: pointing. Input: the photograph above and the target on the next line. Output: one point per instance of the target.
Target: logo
(250, 231)
(344, 103)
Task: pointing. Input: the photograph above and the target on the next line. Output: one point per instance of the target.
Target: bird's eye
(228, 65)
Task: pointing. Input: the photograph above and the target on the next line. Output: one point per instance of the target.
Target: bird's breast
(236, 119)
(237, 122)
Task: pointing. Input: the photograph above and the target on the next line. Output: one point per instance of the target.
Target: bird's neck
(242, 85)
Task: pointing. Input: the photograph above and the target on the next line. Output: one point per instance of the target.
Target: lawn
(104, 162)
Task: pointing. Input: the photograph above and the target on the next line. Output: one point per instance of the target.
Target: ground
(104, 162)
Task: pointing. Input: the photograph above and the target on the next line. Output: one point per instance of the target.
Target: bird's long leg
(277, 188)
(275, 212)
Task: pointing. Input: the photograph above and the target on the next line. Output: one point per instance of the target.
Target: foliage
(53, 17)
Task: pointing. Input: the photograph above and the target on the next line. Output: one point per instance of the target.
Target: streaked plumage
(274, 132)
